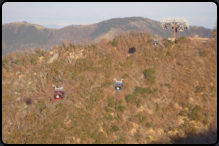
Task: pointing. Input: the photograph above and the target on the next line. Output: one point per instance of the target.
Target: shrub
(203, 53)
(148, 74)
(125, 75)
(114, 43)
(157, 107)
(167, 85)
(117, 67)
(115, 128)
(108, 109)
(183, 113)
(121, 108)
(143, 90)
(130, 98)
(199, 89)
(110, 117)
(81, 78)
(148, 125)
(126, 64)
(138, 103)
(169, 53)
(205, 121)
(164, 109)
(111, 102)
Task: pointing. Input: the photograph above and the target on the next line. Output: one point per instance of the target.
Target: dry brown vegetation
(169, 93)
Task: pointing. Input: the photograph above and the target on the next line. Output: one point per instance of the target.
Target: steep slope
(169, 94)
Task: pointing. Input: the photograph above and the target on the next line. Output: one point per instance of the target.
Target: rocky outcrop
(43, 78)
(54, 57)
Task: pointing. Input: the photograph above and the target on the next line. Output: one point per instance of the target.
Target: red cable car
(58, 94)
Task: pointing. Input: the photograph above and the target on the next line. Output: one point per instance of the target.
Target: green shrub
(110, 117)
(138, 103)
(108, 109)
(180, 39)
(165, 109)
(117, 67)
(167, 85)
(168, 43)
(121, 108)
(126, 64)
(143, 90)
(19, 61)
(205, 121)
(183, 113)
(157, 107)
(199, 89)
(125, 75)
(148, 74)
(203, 53)
(33, 60)
(148, 125)
(115, 128)
(114, 43)
(81, 78)
(111, 102)
(169, 53)
(130, 98)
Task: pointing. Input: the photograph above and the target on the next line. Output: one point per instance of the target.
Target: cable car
(118, 85)
(155, 42)
(58, 94)
(181, 27)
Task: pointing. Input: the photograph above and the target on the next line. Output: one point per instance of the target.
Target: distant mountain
(23, 35)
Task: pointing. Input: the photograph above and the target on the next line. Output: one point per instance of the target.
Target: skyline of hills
(23, 35)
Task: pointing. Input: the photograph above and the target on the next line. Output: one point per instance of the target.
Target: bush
(157, 107)
(125, 75)
(110, 117)
(183, 113)
(148, 125)
(121, 108)
(115, 128)
(111, 102)
(108, 109)
(130, 98)
(203, 53)
(143, 90)
(114, 43)
(138, 103)
(199, 89)
(81, 78)
(169, 53)
(126, 64)
(205, 121)
(148, 74)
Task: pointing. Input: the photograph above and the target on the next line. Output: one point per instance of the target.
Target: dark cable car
(118, 85)
(155, 42)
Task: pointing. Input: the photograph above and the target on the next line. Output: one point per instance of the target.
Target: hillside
(26, 35)
(23, 35)
(169, 92)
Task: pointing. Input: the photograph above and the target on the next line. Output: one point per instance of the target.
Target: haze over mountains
(23, 35)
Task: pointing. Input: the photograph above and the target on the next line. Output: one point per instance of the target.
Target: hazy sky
(79, 13)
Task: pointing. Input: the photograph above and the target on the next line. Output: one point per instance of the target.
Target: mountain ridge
(41, 37)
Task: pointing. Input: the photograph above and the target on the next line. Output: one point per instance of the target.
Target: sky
(61, 14)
